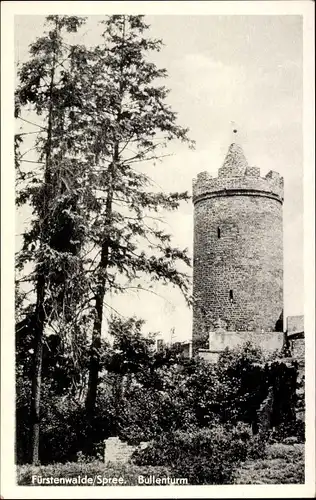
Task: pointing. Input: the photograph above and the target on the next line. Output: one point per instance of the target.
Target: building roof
(235, 161)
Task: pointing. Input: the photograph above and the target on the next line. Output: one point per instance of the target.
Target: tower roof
(235, 162)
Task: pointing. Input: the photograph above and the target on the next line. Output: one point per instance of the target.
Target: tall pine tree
(96, 212)
(52, 242)
(131, 124)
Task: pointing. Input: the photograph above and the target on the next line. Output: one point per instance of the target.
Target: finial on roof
(234, 127)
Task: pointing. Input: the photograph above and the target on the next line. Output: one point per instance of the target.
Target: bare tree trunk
(119, 392)
(37, 370)
(41, 288)
(94, 365)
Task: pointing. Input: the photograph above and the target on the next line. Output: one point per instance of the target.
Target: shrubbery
(203, 456)
(284, 464)
(65, 430)
(286, 431)
(199, 418)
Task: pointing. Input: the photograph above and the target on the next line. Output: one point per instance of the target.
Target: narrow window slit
(218, 232)
(231, 296)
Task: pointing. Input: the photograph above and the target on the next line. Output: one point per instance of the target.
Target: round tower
(238, 250)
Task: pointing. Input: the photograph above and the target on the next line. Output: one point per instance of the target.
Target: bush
(164, 397)
(288, 430)
(284, 464)
(203, 456)
(65, 428)
(290, 453)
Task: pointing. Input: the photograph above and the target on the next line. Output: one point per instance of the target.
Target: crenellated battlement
(236, 177)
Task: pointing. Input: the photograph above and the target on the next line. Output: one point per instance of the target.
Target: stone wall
(268, 341)
(295, 324)
(116, 451)
(218, 341)
(209, 356)
(269, 186)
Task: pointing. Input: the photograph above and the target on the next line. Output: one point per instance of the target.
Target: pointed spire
(235, 162)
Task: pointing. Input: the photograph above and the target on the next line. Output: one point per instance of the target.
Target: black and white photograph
(162, 315)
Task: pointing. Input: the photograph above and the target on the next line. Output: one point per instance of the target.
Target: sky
(222, 69)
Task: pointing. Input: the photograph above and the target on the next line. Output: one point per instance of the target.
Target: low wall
(116, 451)
(268, 341)
(209, 356)
(219, 340)
(294, 324)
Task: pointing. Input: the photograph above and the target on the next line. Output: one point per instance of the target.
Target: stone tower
(238, 250)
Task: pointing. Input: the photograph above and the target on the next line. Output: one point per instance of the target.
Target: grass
(284, 465)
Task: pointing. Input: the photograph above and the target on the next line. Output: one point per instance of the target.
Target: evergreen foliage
(95, 223)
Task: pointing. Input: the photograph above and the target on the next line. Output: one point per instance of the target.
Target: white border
(11, 8)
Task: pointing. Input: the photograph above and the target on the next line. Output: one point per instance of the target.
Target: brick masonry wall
(271, 184)
(238, 254)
